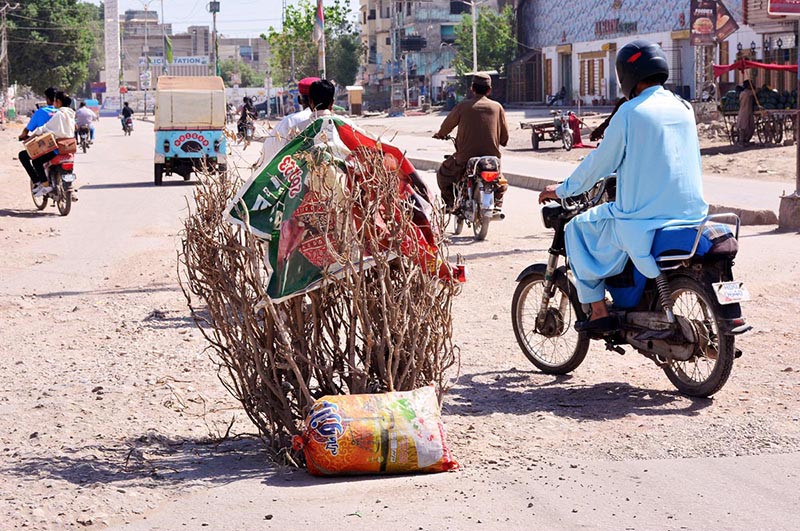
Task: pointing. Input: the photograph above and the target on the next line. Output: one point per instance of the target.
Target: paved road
(534, 465)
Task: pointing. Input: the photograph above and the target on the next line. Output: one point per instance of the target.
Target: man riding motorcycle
(482, 130)
(62, 125)
(84, 118)
(249, 113)
(127, 112)
(651, 143)
(38, 119)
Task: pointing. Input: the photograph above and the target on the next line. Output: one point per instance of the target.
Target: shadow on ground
(523, 392)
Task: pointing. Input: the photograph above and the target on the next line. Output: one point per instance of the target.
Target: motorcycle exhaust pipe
(499, 215)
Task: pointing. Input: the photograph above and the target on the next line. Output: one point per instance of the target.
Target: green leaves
(51, 43)
(249, 76)
(293, 44)
(495, 36)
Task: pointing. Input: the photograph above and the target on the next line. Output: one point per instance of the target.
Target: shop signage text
(158, 61)
(783, 7)
(614, 26)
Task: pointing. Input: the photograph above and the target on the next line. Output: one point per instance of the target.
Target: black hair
(302, 99)
(64, 98)
(481, 90)
(125, 104)
(321, 94)
(83, 104)
(50, 93)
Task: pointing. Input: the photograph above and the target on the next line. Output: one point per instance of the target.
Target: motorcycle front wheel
(41, 201)
(566, 138)
(556, 348)
(709, 369)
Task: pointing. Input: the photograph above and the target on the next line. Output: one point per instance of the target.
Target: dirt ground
(110, 404)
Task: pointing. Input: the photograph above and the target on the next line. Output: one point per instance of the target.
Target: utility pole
(4, 10)
(213, 8)
(474, 37)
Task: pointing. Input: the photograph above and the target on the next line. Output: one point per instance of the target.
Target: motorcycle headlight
(550, 215)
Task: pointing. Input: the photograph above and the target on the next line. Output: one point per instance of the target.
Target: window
(408, 9)
(592, 74)
(457, 7)
(448, 33)
(388, 41)
(371, 15)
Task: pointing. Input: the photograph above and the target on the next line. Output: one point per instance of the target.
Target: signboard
(703, 16)
(783, 7)
(726, 25)
(99, 87)
(158, 61)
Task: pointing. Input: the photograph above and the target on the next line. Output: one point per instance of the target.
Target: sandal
(603, 325)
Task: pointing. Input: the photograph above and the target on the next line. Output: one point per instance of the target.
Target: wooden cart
(772, 125)
(553, 130)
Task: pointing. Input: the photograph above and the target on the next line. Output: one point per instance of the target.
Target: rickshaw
(189, 126)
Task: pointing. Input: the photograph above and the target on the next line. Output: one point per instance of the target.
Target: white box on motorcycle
(41, 145)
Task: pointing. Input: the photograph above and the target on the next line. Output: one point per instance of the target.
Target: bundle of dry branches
(380, 321)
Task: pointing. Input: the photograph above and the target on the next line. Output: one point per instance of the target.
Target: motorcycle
(561, 129)
(686, 320)
(83, 137)
(474, 195)
(128, 128)
(60, 177)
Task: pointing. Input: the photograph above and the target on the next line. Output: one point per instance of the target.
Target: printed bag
(389, 433)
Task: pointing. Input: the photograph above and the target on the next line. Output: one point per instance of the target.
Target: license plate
(68, 177)
(731, 292)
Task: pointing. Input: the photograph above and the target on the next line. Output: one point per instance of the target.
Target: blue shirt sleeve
(40, 117)
(601, 162)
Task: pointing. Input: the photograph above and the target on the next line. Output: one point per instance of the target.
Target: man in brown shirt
(482, 130)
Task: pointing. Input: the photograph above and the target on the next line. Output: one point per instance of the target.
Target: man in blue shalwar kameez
(652, 145)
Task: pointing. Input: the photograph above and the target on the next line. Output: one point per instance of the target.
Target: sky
(236, 18)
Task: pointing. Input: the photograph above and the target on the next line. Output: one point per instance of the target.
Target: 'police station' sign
(191, 60)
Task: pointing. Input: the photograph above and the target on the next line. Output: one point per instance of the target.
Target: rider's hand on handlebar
(548, 194)
(437, 136)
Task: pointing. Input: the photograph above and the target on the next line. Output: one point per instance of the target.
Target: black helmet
(639, 60)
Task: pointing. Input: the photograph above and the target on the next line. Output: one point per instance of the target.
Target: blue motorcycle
(685, 320)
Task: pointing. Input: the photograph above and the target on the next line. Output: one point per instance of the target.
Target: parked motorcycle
(686, 320)
(474, 195)
(60, 176)
(128, 125)
(84, 134)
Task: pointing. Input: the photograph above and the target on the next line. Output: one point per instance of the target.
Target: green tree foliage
(51, 42)
(249, 76)
(495, 37)
(343, 44)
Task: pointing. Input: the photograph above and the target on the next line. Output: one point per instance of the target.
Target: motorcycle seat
(485, 163)
(716, 239)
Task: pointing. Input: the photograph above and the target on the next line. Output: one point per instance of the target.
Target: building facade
(143, 50)
(410, 38)
(574, 46)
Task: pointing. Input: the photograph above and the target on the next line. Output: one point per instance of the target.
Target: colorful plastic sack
(386, 433)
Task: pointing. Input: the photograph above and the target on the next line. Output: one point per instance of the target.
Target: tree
(495, 37)
(50, 43)
(294, 44)
(249, 77)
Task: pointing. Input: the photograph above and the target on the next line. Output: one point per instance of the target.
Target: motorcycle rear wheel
(64, 197)
(563, 349)
(703, 375)
(480, 223)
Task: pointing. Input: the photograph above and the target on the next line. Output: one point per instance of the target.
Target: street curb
(529, 182)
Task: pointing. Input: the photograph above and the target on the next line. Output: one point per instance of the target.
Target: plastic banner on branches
(288, 203)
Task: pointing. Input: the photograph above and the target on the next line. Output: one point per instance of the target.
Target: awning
(744, 64)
